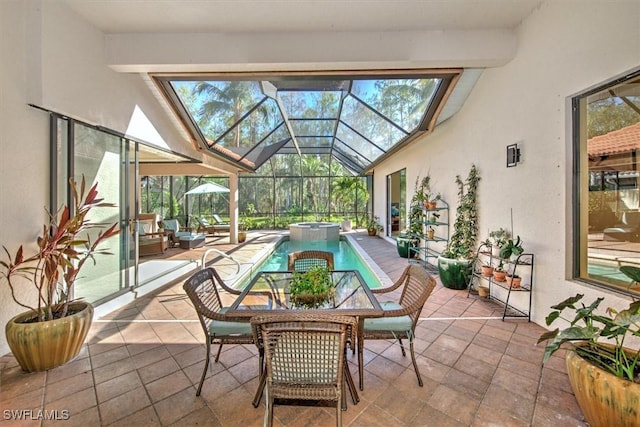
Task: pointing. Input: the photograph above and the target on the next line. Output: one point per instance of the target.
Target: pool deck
(142, 362)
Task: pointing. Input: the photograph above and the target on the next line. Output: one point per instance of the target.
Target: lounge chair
(205, 226)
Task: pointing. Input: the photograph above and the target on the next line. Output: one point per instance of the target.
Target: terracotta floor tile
(167, 386)
(123, 405)
(146, 417)
(109, 389)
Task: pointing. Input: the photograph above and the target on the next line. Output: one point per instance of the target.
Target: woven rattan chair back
(304, 357)
(302, 260)
(415, 285)
(202, 290)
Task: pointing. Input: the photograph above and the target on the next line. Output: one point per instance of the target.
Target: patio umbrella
(207, 188)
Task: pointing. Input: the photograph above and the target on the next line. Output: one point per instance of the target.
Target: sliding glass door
(108, 160)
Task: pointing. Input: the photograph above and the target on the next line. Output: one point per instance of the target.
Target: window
(606, 175)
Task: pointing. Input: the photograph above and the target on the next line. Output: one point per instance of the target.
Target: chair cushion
(221, 328)
(396, 323)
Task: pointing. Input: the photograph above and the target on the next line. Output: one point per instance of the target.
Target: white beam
(201, 52)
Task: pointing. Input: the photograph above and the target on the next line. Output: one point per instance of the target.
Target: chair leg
(352, 386)
(338, 415)
(259, 391)
(268, 421)
(206, 366)
(219, 350)
(360, 352)
(415, 364)
(404, 353)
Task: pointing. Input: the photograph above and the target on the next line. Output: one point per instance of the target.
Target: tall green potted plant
(51, 332)
(604, 376)
(456, 261)
(410, 238)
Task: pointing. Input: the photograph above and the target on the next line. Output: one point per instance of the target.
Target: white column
(233, 208)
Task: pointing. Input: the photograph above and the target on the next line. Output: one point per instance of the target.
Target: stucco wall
(563, 48)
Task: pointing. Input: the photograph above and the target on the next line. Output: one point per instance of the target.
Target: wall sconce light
(513, 155)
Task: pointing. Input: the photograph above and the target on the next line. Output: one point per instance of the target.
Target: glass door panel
(101, 157)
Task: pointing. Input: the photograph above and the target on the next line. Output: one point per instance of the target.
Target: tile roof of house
(619, 141)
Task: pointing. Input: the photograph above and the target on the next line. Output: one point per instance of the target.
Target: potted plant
(486, 270)
(456, 261)
(513, 280)
(499, 275)
(511, 248)
(311, 288)
(374, 226)
(52, 330)
(605, 376)
(430, 233)
(497, 239)
(410, 238)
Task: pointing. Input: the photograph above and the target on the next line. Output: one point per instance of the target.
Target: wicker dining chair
(304, 357)
(400, 318)
(302, 260)
(202, 289)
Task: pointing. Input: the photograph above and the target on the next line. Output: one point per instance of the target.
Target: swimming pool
(344, 257)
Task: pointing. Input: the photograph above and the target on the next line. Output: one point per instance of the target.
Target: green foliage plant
(511, 247)
(587, 330)
(63, 248)
(311, 287)
(499, 237)
(465, 234)
(374, 224)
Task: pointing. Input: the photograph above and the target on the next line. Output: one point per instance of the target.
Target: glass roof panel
(311, 104)
(369, 124)
(313, 127)
(279, 136)
(315, 142)
(357, 143)
(217, 105)
(254, 127)
(403, 101)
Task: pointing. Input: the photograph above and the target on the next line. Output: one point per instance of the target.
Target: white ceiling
(192, 16)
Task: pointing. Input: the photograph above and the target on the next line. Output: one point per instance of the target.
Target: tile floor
(142, 363)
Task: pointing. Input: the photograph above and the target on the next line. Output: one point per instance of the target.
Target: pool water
(344, 257)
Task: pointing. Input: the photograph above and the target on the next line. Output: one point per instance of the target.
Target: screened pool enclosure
(304, 143)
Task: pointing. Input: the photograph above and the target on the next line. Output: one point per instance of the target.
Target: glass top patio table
(268, 292)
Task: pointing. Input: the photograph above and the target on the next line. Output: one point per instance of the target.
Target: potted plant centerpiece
(456, 261)
(604, 376)
(311, 288)
(55, 326)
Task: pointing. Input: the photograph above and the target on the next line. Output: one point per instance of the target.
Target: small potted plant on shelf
(374, 226)
(499, 274)
(513, 281)
(512, 248)
(486, 270)
(497, 239)
(604, 376)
